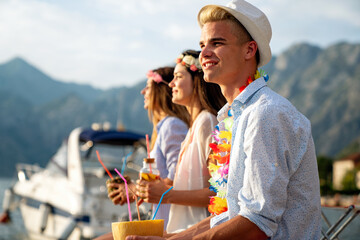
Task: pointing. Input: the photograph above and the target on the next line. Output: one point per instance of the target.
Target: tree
(325, 167)
(349, 181)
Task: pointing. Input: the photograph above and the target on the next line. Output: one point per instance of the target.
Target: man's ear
(251, 50)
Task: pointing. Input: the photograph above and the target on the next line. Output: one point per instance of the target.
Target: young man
(273, 185)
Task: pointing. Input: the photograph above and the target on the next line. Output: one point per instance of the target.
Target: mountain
(324, 85)
(22, 79)
(38, 112)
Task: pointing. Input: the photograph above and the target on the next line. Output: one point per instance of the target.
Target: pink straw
(108, 172)
(127, 193)
(137, 203)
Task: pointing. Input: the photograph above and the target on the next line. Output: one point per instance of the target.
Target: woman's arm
(195, 198)
(152, 191)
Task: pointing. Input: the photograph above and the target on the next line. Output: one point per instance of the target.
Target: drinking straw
(147, 145)
(137, 204)
(108, 172)
(127, 193)
(124, 163)
(157, 208)
(148, 149)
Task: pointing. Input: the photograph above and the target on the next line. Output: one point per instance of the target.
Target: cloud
(111, 43)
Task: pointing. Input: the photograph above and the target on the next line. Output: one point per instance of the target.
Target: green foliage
(324, 84)
(349, 180)
(325, 167)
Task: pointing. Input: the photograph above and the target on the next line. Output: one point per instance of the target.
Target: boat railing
(334, 229)
(26, 171)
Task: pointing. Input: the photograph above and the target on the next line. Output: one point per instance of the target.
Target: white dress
(192, 172)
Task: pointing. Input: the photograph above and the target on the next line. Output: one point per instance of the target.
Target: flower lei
(190, 62)
(257, 75)
(156, 77)
(219, 172)
(221, 148)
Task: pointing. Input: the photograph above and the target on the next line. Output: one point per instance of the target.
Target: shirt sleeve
(173, 133)
(270, 161)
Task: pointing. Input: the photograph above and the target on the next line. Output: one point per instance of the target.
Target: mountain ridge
(323, 83)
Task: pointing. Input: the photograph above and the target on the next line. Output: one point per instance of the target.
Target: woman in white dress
(170, 125)
(190, 196)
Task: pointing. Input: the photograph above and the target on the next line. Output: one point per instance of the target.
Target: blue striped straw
(160, 202)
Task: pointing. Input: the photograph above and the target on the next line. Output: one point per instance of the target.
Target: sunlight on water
(15, 229)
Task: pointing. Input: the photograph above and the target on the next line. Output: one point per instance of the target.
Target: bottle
(149, 172)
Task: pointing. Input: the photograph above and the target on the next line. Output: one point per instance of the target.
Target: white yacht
(68, 198)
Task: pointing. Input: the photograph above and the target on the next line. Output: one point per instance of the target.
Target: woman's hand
(151, 191)
(118, 196)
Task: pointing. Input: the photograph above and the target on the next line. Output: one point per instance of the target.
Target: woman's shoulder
(205, 120)
(206, 116)
(172, 122)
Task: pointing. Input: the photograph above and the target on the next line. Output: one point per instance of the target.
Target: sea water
(15, 229)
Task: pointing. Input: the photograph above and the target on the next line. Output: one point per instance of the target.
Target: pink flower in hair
(157, 78)
(149, 74)
(193, 68)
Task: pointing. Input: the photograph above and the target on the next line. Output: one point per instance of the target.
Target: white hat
(255, 22)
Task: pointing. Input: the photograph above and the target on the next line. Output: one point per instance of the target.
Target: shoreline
(340, 200)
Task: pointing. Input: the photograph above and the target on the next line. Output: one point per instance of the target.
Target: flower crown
(156, 77)
(190, 62)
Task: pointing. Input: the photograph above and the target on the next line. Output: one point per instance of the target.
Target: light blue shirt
(171, 131)
(273, 176)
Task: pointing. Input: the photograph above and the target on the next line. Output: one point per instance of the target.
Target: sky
(113, 43)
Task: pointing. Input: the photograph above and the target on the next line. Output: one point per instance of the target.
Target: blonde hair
(212, 13)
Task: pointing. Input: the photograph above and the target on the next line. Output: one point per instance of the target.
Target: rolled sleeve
(264, 194)
(273, 177)
(218, 219)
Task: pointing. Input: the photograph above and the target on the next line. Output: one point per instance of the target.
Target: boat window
(58, 163)
(113, 157)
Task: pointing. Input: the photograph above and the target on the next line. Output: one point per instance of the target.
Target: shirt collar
(223, 112)
(250, 90)
(241, 99)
